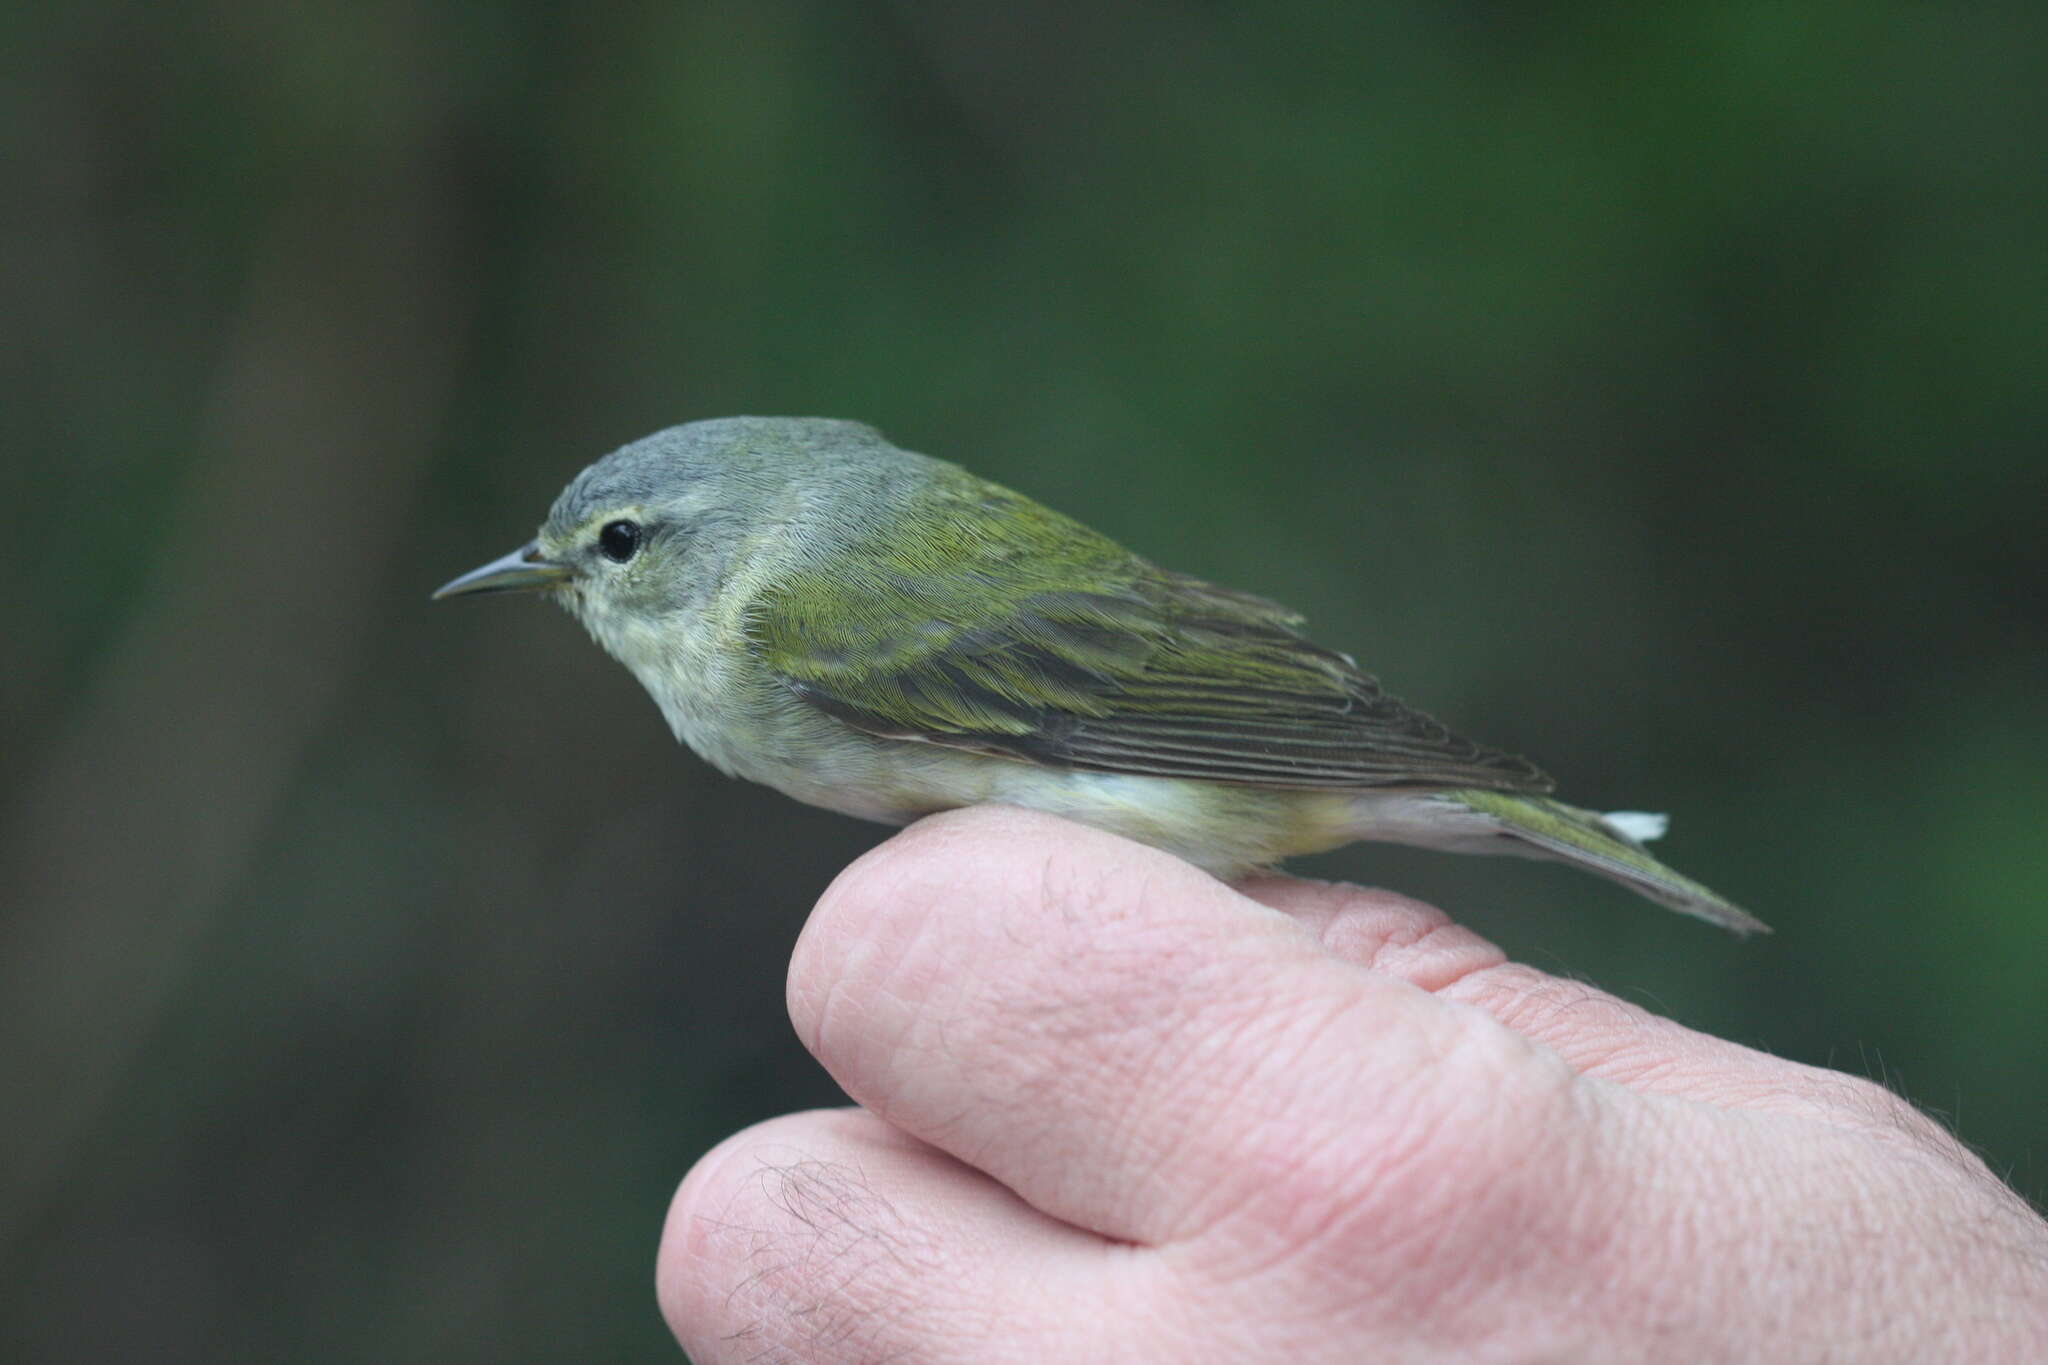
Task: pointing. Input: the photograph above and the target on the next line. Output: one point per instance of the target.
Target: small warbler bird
(885, 634)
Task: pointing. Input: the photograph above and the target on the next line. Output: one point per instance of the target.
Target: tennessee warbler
(885, 634)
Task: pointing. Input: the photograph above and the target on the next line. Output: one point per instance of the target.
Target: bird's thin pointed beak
(521, 571)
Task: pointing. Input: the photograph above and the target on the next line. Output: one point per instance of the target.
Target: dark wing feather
(1020, 633)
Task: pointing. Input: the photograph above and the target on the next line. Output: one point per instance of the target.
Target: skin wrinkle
(1637, 1063)
(1607, 1124)
(1685, 1275)
(959, 1119)
(1809, 1098)
(1266, 1174)
(842, 960)
(1083, 1024)
(1464, 1179)
(1193, 1047)
(1600, 1035)
(1482, 1212)
(1185, 1069)
(1594, 1241)
(813, 1023)
(1436, 959)
(1144, 1160)
(862, 1266)
(1704, 1070)
(1662, 1260)
(1546, 1007)
(1459, 948)
(1396, 1145)
(1379, 930)
(954, 1129)
(1816, 1212)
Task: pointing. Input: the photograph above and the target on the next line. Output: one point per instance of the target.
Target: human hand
(1114, 1110)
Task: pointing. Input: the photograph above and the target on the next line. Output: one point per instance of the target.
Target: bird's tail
(1611, 845)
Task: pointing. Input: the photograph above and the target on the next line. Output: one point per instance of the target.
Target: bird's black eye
(619, 540)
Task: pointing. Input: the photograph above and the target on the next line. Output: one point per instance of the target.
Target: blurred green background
(1656, 390)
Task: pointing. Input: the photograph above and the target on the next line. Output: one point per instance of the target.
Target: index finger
(1134, 1047)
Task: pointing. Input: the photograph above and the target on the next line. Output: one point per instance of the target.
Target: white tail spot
(1638, 825)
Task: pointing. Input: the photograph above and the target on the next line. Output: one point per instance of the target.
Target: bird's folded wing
(1108, 664)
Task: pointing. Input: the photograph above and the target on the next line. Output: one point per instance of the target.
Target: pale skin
(1112, 1109)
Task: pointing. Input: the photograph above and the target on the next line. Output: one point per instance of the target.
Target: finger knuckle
(1451, 1139)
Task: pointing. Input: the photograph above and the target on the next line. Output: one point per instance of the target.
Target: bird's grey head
(654, 530)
